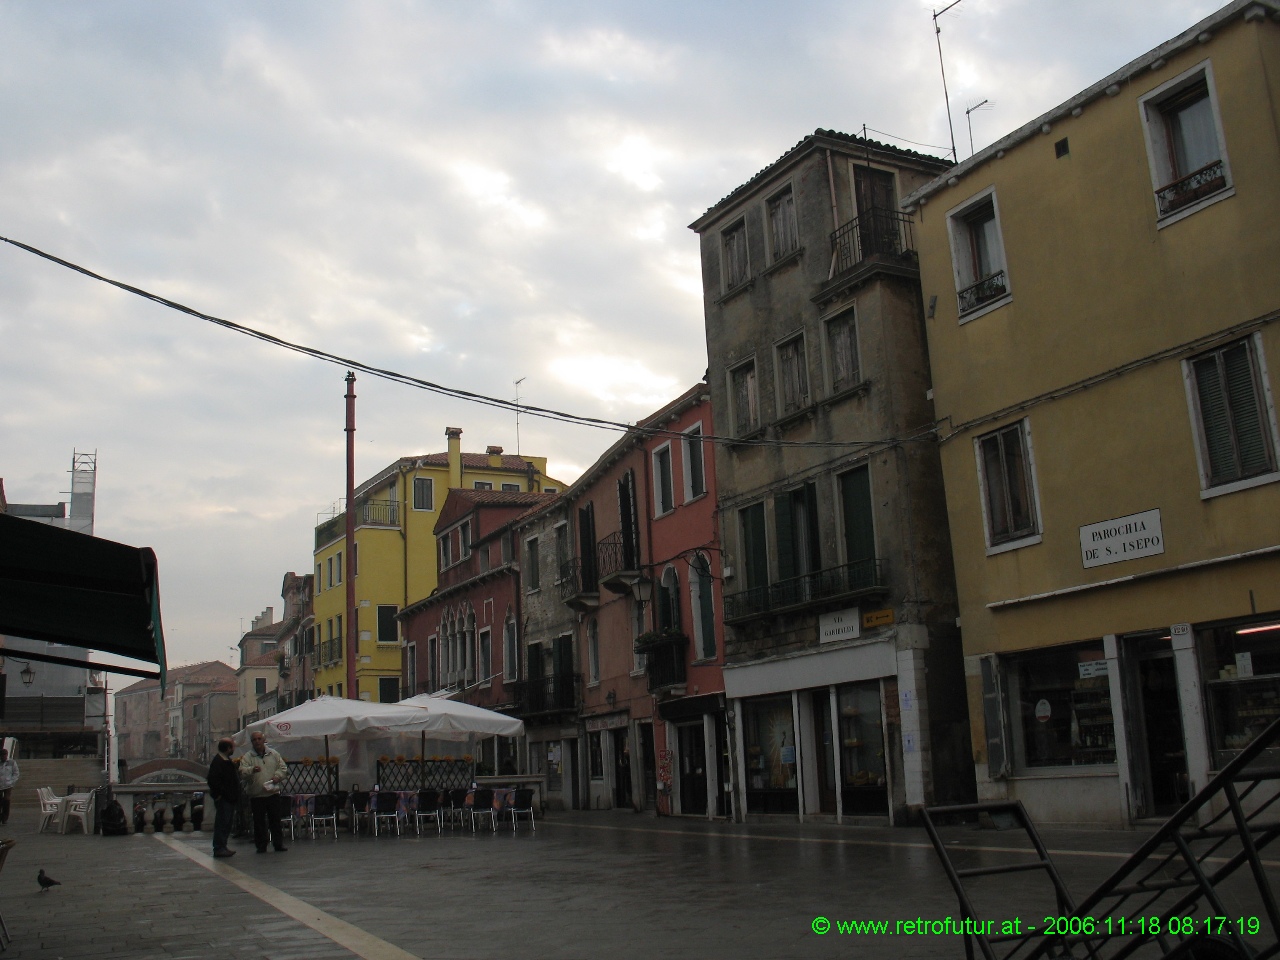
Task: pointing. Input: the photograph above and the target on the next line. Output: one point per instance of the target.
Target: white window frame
(431, 494)
(774, 254)
(689, 444)
(464, 539)
(828, 357)
(659, 510)
(733, 399)
(511, 488)
(482, 485)
(484, 636)
(1154, 133)
(959, 233)
(446, 550)
(807, 398)
(338, 567)
(1207, 492)
(738, 226)
(1034, 485)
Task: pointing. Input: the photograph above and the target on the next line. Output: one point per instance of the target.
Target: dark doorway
(825, 752)
(693, 772)
(877, 209)
(621, 768)
(1165, 750)
(649, 759)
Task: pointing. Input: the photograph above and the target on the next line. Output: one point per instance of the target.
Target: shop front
(694, 761)
(1240, 668)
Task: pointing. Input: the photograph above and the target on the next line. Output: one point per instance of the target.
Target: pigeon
(47, 881)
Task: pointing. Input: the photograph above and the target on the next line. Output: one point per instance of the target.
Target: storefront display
(1241, 671)
(769, 740)
(1062, 710)
(864, 790)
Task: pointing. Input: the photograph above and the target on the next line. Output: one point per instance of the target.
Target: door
(693, 774)
(1164, 749)
(621, 768)
(877, 223)
(825, 753)
(649, 766)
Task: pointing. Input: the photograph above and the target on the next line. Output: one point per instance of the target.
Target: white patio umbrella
(452, 720)
(339, 718)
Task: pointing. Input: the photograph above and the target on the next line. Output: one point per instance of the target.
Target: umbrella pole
(333, 773)
(422, 763)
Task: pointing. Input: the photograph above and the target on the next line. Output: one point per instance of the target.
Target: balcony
(618, 563)
(664, 660)
(578, 587)
(378, 513)
(1197, 185)
(864, 578)
(557, 693)
(876, 233)
(984, 291)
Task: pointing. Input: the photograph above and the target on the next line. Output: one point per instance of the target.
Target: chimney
(495, 456)
(455, 456)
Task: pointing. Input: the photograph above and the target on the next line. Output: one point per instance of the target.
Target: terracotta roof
(503, 498)
(228, 686)
(208, 670)
(261, 660)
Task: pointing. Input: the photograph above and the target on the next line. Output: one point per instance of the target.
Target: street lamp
(642, 589)
(28, 675)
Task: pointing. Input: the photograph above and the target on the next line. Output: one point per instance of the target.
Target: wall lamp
(28, 675)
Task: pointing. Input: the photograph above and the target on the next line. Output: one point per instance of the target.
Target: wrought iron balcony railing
(877, 232)
(984, 291)
(664, 661)
(553, 694)
(578, 586)
(379, 513)
(617, 561)
(863, 577)
(1196, 185)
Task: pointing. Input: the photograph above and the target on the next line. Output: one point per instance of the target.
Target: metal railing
(1200, 183)
(877, 232)
(664, 662)
(984, 291)
(615, 556)
(862, 576)
(446, 773)
(577, 578)
(558, 692)
(379, 513)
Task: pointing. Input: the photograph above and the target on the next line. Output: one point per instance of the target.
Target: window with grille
(736, 266)
(1184, 144)
(977, 254)
(1004, 463)
(784, 237)
(1236, 436)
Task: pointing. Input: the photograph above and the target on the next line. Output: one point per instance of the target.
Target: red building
(464, 636)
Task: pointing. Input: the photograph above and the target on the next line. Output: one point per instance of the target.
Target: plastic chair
(78, 809)
(457, 805)
(359, 808)
(50, 807)
(428, 809)
(324, 811)
(289, 816)
(386, 806)
(482, 806)
(522, 803)
(5, 847)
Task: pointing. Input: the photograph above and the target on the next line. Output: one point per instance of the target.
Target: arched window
(701, 603)
(669, 600)
(510, 650)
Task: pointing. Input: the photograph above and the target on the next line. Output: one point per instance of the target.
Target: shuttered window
(855, 502)
(1236, 440)
(782, 224)
(793, 377)
(755, 561)
(746, 411)
(796, 522)
(736, 267)
(842, 350)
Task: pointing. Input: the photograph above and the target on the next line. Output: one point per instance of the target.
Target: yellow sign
(877, 618)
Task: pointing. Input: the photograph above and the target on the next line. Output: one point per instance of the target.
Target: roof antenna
(517, 383)
(945, 96)
(985, 104)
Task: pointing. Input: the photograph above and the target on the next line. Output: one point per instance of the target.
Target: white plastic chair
(50, 807)
(78, 809)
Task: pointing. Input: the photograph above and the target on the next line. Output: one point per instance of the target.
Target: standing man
(8, 777)
(224, 787)
(264, 772)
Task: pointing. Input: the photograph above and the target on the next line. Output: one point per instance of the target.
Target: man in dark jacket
(224, 787)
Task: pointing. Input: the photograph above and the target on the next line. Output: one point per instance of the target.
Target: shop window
(862, 749)
(1241, 664)
(769, 740)
(1060, 707)
(1236, 436)
(1185, 147)
(1005, 471)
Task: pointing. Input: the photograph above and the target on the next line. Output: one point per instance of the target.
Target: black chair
(324, 811)
(285, 804)
(457, 805)
(359, 808)
(386, 806)
(522, 803)
(5, 939)
(482, 806)
(428, 809)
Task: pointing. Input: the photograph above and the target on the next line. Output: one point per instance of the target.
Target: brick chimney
(455, 456)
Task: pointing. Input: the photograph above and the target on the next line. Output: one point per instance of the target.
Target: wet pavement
(584, 885)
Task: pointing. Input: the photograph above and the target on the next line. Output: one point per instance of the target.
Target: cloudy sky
(469, 193)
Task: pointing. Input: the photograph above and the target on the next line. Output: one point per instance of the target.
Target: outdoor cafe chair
(428, 809)
(360, 808)
(290, 814)
(50, 807)
(78, 809)
(522, 803)
(324, 811)
(386, 806)
(457, 805)
(5, 939)
(482, 806)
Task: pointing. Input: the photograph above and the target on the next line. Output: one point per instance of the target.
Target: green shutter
(1246, 411)
(1215, 419)
(859, 532)
(784, 527)
(755, 561)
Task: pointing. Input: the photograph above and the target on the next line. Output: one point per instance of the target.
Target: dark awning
(65, 587)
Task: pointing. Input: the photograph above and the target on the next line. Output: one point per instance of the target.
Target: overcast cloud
(467, 193)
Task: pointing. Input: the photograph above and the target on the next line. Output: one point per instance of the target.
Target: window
(859, 532)
(387, 632)
(388, 689)
(1237, 441)
(783, 235)
(511, 487)
(593, 651)
(337, 637)
(259, 686)
(484, 558)
(795, 517)
(319, 578)
(464, 536)
(329, 567)
(736, 265)
(842, 352)
(1184, 144)
(595, 755)
(663, 494)
(550, 490)
(755, 559)
(446, 550)
(506, 548)
(433, 663)
(667, 612)
(977, 254)
(411, 668)
(423, 494)
(485, 657)
(533, 576)
(695, 479)
(337, 568)
(562, 550)
(743, 398)
(510, 651)
(701, 601)
(793, 376)
(1060, 701)
(482, 485)
(1004, 466)
(355, 559)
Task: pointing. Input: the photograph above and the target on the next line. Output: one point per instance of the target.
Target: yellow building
(1102, 291)
(395, 559)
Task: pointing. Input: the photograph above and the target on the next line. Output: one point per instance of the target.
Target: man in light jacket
(263, 772)
(8, 778)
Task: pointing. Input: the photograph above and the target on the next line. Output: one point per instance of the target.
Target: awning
(65, 587)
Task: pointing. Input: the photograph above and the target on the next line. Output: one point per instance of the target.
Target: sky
(468, 193)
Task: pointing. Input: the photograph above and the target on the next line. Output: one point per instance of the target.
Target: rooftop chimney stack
(455, 456)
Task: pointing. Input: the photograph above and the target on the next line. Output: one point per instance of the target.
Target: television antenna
(984, 105)
(517, 385)
(937, 30)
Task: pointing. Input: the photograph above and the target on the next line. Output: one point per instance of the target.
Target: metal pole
(353, 635)
(945, 96)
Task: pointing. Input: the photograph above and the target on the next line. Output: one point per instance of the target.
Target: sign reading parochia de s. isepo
(1124, 538)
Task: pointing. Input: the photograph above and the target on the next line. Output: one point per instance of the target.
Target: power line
(925, 434)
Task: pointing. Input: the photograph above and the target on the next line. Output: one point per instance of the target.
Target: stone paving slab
(585, 885)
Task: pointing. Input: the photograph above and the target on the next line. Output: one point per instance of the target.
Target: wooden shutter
(859, 530)
(755, 561)
(784, 528)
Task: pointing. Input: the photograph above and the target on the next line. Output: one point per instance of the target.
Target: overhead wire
(926, 434)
